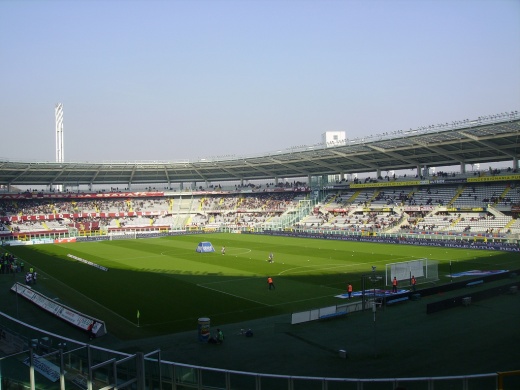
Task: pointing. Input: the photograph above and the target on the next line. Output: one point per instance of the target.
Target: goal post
(424, 270)
(122, 235)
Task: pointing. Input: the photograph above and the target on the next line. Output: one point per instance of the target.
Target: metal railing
(63, 363)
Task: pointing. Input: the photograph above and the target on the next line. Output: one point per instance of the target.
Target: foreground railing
(36, 359)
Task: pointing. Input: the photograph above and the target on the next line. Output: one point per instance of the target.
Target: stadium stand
(479, 208)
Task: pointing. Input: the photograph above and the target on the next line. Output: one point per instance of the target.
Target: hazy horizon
(184, 80)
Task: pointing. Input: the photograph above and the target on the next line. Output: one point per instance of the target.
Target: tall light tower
(58, 113)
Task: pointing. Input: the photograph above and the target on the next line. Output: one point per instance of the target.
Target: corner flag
(138, 314)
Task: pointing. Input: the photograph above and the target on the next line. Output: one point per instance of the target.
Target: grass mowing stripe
(172, 285)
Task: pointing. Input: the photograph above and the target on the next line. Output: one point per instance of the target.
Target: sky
(184, 80)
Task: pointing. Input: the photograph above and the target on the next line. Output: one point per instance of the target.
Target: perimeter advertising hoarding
(51, 217)
(482, 179)
(61, 311)
(96, 195)
(391, 184)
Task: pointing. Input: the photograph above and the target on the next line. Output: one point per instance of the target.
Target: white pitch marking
(233, 295)
(311, 268)
(223, 281)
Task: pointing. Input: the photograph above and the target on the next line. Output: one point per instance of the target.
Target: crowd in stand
(245, 209)
(345, 210)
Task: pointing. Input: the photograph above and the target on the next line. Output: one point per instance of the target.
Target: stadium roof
(487, 139)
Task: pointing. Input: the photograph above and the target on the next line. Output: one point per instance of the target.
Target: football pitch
(170, 285)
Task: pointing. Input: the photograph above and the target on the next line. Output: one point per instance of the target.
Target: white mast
(58, 113)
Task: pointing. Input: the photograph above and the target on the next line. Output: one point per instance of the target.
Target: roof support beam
(486, 144)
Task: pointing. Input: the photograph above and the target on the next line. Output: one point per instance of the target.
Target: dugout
(466, 299)
(464, 283)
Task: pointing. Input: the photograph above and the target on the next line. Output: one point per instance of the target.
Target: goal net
(424, 270)
(122, 235)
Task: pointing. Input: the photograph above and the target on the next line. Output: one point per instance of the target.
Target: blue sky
(183, 80)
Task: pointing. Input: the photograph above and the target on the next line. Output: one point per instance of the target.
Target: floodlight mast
(58, 114)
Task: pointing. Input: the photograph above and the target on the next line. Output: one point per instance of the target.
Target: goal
(122, 235)
(424, 270)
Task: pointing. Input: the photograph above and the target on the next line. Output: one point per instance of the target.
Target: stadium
(134, 265)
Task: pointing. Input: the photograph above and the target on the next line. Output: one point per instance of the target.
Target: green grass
(172, 286)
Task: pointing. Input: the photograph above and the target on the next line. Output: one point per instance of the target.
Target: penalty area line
(232, 295)
(222, 281)
(302, 300)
